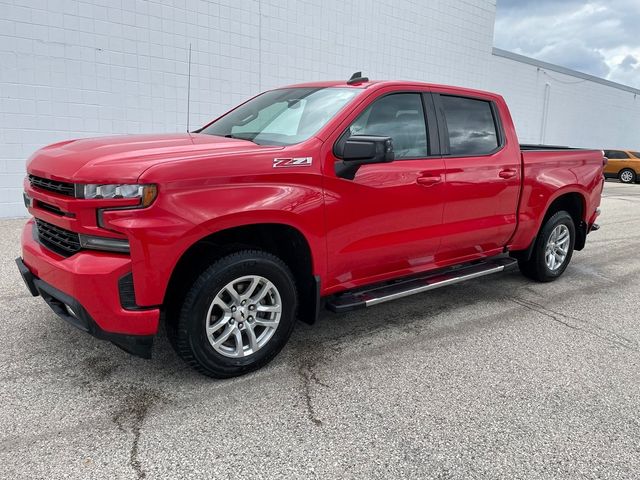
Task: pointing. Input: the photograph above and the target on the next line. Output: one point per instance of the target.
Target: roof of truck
(385, 83)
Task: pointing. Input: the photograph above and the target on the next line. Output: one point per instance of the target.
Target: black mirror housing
(361, 150)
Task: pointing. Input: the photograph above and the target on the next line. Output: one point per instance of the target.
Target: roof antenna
(189, 88)
(357, 78)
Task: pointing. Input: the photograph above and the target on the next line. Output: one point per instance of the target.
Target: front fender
(161, 234)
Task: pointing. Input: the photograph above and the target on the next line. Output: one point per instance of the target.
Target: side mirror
(361, 150)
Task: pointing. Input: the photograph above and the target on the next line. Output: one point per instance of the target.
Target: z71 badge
(292, 162)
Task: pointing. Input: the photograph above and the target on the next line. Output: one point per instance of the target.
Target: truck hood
(124, 158)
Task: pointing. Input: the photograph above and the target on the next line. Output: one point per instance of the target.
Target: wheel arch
(281, 239)
(575, 204)
(572, 201)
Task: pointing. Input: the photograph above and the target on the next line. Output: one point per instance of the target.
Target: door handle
(507, 173)
(428, 180)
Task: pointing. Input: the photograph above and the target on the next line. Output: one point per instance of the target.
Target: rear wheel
(238, 314)
(553, 249)
(627, 176)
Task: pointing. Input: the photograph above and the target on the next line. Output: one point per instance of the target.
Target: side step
(351, 300)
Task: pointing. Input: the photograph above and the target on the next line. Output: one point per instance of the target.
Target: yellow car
(623, 164)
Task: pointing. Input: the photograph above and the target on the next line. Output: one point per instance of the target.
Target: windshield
(282, 117)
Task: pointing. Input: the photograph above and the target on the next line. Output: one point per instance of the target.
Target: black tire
(190, 338)
(536, 267)
(627, 175)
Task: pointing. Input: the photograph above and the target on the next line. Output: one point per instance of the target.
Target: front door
(386, 221)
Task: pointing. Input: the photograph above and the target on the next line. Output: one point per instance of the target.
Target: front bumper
(87, 284)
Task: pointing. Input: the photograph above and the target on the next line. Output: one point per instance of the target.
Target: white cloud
(591, 36)
(627, 71)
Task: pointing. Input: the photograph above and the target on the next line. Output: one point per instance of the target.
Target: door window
(472, 128)
(399, 116)
(616, 154)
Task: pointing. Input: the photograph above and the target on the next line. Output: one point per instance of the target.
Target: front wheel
(553, 249)
(627, 176)
(238, 314)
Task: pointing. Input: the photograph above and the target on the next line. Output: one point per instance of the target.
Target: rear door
(482, 178)
(386, 221)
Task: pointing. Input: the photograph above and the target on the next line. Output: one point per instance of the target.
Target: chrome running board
(388, 291)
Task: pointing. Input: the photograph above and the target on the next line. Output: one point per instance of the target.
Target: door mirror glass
(368, 148)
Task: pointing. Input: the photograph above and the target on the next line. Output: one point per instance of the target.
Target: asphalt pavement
(498, 377)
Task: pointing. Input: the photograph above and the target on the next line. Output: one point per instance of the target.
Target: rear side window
(636, 154)
(399, 116)
(616, 154)
(471, 125)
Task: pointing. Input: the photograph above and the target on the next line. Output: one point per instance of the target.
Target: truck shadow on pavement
(423, 316)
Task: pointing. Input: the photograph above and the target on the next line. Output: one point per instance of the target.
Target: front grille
(60, 240)
(51, 208)
(63, 188)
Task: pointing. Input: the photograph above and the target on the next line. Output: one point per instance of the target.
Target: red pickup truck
(329, 194)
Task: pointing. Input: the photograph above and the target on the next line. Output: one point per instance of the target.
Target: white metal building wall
(71, 69)
(555, 106)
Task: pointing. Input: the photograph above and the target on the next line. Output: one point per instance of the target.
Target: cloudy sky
(600, 37)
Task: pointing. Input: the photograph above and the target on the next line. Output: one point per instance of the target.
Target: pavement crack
(129, 419)
(309, 379)
(584, 326)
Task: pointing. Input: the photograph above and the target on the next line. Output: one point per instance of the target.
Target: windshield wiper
(239, 137)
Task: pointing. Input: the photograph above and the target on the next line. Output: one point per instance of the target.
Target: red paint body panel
(92, 279)
(383, 224)
(124, 158)
(480, 213)
(547, 176)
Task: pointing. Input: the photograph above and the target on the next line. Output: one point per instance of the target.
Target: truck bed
(531, 146)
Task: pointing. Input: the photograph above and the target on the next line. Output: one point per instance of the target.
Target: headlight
(146, 193)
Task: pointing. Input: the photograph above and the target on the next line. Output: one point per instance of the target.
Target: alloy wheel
(557, 247)
(626, 176)
(243, 316)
